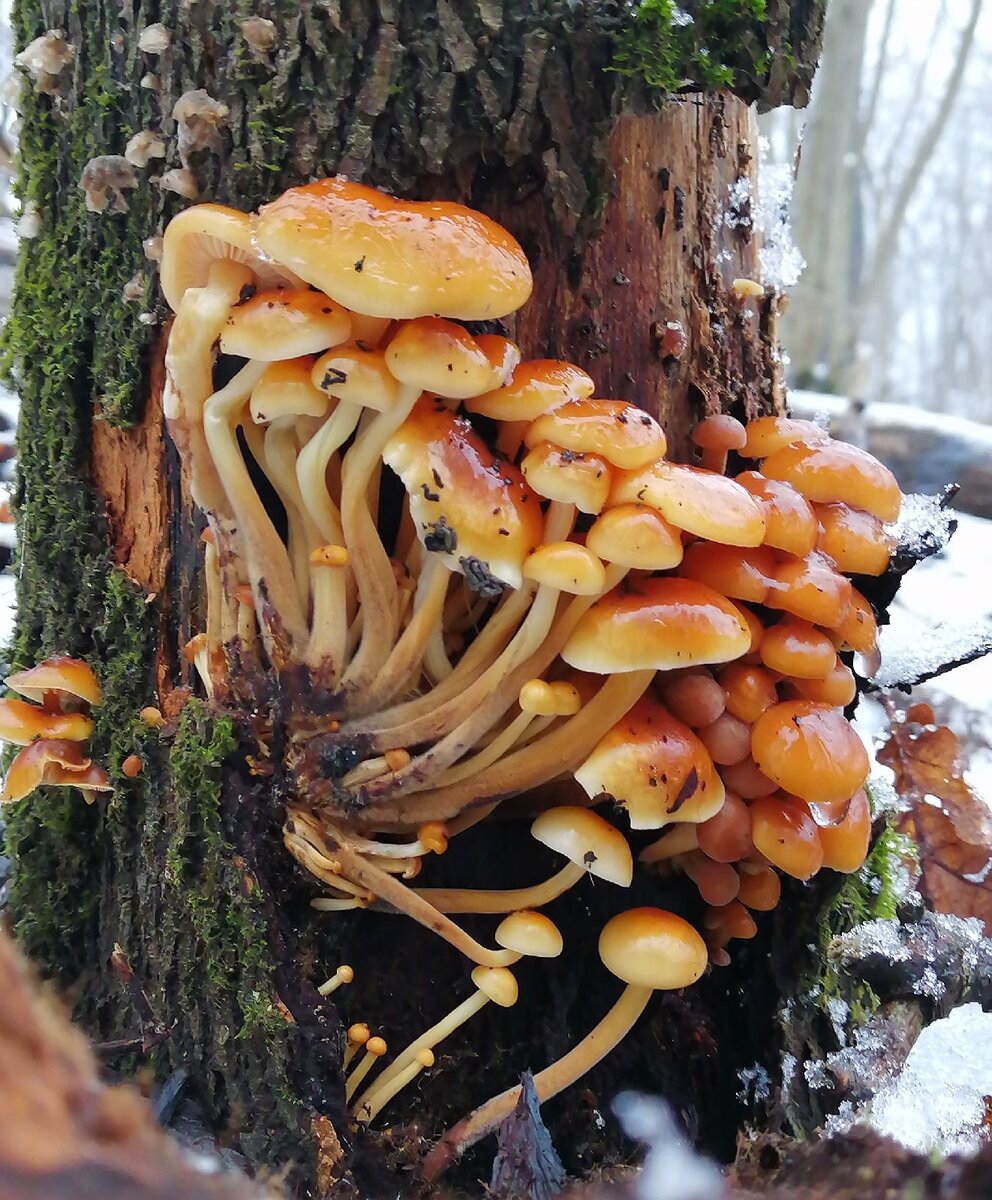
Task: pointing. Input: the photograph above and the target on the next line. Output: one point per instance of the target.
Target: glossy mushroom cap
(741, 574)
(199, 236)
(535, 387)
(465, 503)
(635, 536)
(810, 750)
(837, 472)
(845, 845)
(529, 933)
(288, 323)
(761, 887)
(749, 690)
(394, 258)
(719, 432)
(765, 435)
(811, 589)
(726, 836)
(580, 479)
(648, 947)
(836, 689)
(665, 624)
(655, 767)
(22, 723)
(786, 834)
(503, 356)
(57, 674)
(498, 984)
(854, 541)
(286, 390)
(55, 762)
(568, 567)
(700, 502)
(439, 356)
(612, 429)
(584, 838)
(790, 523)
(357, 376)
(798, 648)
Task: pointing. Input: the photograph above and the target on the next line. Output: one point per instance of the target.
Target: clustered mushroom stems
(550, 595)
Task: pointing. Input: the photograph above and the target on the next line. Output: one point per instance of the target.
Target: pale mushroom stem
(215, 608)
(610, 1031)
(279, 462)
(679, 840)
(270, 572)
(428, 606)
(479, 900)
(494, 750)
(366, 1112)
(373, 570)
(427, 1041)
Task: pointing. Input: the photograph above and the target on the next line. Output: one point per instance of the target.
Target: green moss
(711, 44)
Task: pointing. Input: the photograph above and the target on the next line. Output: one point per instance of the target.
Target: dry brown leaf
(950, 824)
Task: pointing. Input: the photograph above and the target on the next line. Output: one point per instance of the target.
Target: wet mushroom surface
(439, 578)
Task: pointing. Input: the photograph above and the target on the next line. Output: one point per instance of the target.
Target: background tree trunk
(623, 211)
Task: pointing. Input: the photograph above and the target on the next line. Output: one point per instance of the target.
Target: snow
(937, 1102)
(778, 256)
(672, 1169)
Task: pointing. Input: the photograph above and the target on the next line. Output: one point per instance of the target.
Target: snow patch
(672, 1169)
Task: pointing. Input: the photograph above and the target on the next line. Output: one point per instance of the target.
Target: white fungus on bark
(45, 59)
(182, 181)
(104, 181)
(29, 223)
(154, 39)
(260, 34)
(152, 246)
(144, 146)
(199, 119)
(134, 289)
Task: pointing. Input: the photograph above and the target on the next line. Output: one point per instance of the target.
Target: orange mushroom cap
(693, 697)
(790, 523)
(57, 674)
(809, 750)
(466, 504)
(798, 648)
(284, 323)
(534, 388)
(746, 780)
(749, 690)
(286, 390)
(838, 688)
(612, 429)
(568, 567)
(700, 502)
(635, 536)
(394, 258)
(655, 767)
(718, 882)
(573, 478)
(786, 834)
(855, 541)
(733, 571)
(648, 947)
(43, 761)
(765, 435)
(23, 723)
(858, 628)
(438, 356)
(357, 376)
(200, 236)
(719, 432)
(845, 845)
(835, 471)
(761, 887)
(727, 739)
(811, 589)
(665, 624)
(503, 357)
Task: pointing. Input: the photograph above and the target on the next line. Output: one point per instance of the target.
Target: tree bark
(626, 215)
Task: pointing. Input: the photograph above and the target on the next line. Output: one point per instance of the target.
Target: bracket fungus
(438, 575)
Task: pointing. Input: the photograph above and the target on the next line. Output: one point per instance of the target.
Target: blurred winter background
(889, 324)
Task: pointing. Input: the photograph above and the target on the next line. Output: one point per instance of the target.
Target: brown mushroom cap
(284, 323)
(837, 472)
(790, 523)
(45, 761)
(438, 356)
(809, 750)
(765, 435)
(586, 840)
(465, 503)
(286, 390)
(734, 571)
(719, 432)
(534, 388)
(749, 690)
(665, 624)
(655, 767)
(635, 536)
(198, 237)
(529, 933)
(580, 479)
(57, 674)
(761, 887)
(726, 836)
(394, 258)
(612, 429)
(568, 567)
(700, 502)
(648, 947)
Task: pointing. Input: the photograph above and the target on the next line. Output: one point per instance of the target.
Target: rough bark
(517, 111)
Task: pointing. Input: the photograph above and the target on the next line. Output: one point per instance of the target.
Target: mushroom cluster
(455, 576)
(51, 725)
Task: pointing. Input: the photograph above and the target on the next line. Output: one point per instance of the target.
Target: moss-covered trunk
(621, 207)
